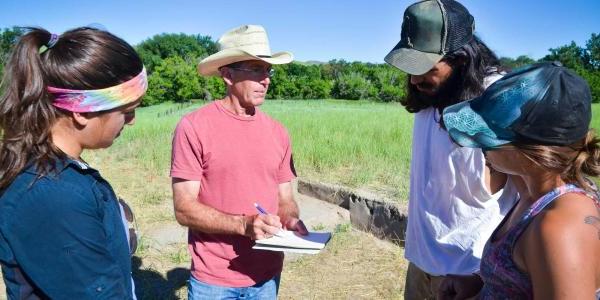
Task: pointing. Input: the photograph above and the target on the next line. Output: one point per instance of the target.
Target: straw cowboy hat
(248, 42)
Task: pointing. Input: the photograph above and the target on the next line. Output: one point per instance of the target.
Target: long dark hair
(83, 58)
(470, 65)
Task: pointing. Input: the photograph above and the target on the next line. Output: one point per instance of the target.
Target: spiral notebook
(290, 241)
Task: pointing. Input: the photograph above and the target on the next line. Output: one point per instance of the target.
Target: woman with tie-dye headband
(61, 226)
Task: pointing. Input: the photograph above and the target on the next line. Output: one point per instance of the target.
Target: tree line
(171, 61)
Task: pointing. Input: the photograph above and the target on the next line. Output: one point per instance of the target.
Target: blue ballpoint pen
(262, 211)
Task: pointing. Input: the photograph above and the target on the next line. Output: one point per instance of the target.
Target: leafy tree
(390, 84)
(390, 79)
(171, 61)
(158, 89)
(352, 86)
(282, 85)
(517, 62)
(214, 88)
(571, 56)
(162, 46)
(593, 79)
(390, 93)
(314, 88)
(8, 37)
(174, 79)
(584, 61)
(334, 68)
(299, 81)
(592, 49)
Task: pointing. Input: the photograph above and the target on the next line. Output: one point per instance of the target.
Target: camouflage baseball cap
(430, 30)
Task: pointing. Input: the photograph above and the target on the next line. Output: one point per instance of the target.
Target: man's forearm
(288, 212)
(288, 209)
(197, 216)
(200, 217)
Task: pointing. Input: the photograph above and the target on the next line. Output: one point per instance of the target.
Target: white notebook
(289, 241)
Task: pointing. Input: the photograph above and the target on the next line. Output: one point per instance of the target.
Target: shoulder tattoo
(594, 221)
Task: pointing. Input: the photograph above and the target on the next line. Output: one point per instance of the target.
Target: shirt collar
(60, 165)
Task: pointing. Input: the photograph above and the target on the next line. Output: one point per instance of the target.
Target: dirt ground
(354, 265)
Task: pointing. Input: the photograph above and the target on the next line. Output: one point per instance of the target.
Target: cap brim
(468, 128)
(412, 61)
(210, 65)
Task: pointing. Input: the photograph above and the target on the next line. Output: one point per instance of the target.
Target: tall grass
(596, 118)
(355, 143)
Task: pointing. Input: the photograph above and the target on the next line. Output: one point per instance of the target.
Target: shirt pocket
(107, 209)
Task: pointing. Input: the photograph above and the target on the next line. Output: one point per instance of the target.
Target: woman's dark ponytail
(587, 162)
(26, 112)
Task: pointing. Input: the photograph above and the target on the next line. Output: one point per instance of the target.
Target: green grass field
(596, 117)
(359, 144)
(354, 143)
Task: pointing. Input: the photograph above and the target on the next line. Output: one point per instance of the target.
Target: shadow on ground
(150, 284)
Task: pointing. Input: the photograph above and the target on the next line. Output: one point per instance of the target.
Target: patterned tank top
(501, 276)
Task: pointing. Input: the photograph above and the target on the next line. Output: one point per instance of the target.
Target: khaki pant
(420, 285)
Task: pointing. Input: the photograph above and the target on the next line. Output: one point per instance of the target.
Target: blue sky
(317, 29)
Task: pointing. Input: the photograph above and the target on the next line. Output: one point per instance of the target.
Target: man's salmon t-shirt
(238, 161)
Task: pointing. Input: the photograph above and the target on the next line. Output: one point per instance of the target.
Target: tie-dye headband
(102, 99)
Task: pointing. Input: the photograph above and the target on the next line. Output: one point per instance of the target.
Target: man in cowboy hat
(228, 160)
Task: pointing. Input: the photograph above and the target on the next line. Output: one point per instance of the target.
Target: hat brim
(468, 128)
(210, 65)
(412, 61)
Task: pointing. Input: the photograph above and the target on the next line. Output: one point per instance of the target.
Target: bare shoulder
(573, 214)
(569, 229)
(562, 243)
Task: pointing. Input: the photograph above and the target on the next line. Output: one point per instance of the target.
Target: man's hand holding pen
(265, 225)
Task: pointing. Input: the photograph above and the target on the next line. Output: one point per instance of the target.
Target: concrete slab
(319, 215)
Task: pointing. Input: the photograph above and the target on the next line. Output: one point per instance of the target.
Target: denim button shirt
(62, 237)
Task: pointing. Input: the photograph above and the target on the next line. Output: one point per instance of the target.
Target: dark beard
(447, 94)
